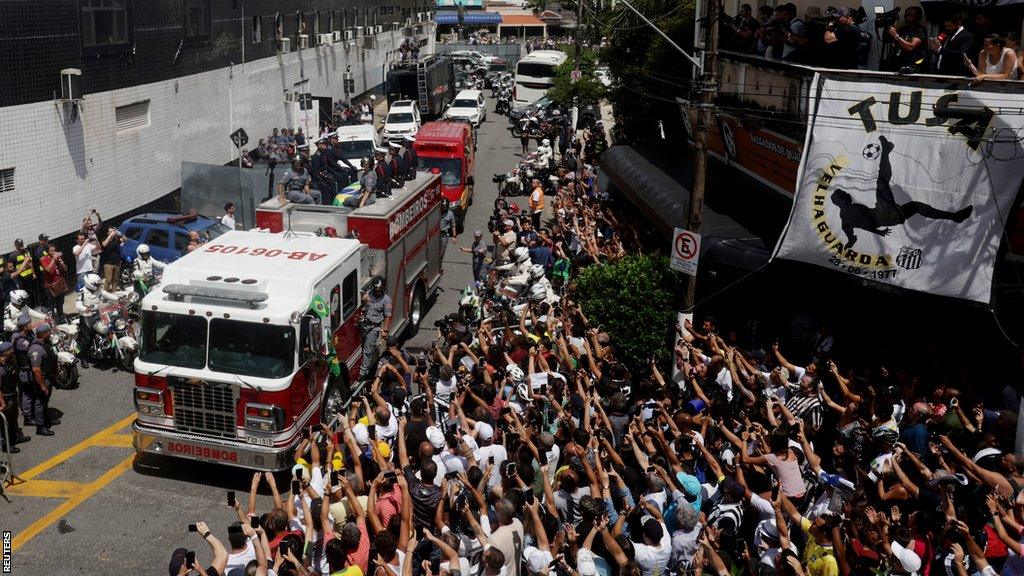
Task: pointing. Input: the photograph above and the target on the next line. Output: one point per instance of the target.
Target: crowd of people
(284, 144)
(972, 47)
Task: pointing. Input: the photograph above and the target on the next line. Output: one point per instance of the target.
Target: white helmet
(536, 272)
(92, 281)
(545, 142)
(538, 293)
(18, 297)
(142, 250)
(515, 372)
(523, 391)
(522, 254)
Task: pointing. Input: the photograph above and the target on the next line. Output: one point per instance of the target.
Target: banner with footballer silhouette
(905, 185)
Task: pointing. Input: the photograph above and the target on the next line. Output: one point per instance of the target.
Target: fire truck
(239, 339)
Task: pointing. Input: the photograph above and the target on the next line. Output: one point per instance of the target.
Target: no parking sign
(685, 251)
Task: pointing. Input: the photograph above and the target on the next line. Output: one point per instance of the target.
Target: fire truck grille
(205, 408)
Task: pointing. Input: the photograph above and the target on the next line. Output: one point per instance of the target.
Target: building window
(197, 18)
(257, 29)
(104, 22)
(131, 117)
(7, 180)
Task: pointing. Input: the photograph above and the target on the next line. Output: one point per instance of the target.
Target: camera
(886, 19)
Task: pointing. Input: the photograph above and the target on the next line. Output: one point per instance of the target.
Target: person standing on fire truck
(376, 322)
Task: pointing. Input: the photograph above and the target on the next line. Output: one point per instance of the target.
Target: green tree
(633, 300)
(563, 91)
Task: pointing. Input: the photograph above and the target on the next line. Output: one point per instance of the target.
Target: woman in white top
(995, 61)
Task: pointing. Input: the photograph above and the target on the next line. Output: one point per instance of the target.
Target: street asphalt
(88, 507)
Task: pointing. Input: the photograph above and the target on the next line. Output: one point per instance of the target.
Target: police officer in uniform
(399, 169)
(341, 169)
(322, 177)
(9, 397)
(383, 171)
(21, 339)
(43, 363)
(410, 157)
(375, 324)
(447, 224)
(295, 186)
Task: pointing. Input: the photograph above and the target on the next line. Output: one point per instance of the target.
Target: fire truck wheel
(334, 398)
(417, 309)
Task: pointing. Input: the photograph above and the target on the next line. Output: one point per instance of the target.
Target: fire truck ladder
(421, 83)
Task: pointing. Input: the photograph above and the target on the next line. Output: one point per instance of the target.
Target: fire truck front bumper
(161, 442)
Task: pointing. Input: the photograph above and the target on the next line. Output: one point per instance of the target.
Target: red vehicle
(235, 361)
(449, 148)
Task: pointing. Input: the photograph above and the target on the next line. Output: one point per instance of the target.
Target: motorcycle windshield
(251, 349)
(173, 339)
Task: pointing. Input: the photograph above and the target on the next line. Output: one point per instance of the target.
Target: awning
(470, 18)
(665, 203)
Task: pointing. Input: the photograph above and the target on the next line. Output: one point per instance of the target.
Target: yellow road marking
(68, 505)
(47, 489)
(74, 450)
(115, 440)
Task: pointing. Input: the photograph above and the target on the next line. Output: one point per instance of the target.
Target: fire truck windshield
(451, 169)
(251, 349)
(173, 339)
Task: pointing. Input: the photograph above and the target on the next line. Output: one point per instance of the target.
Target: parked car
(403, 118)
(166, 233)
(589, 113)
(486, 58)
(468, 105)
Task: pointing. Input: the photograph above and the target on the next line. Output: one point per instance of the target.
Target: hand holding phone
(190, 558)
(296, 487)
(231, 498)
(192, 528)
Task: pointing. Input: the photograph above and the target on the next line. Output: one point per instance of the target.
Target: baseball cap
(177, 560)
(484, 430)
(585, 564)
(907, 558)
(5, 347)
(23, 320)
(361, 433)
(435, 437)
(536, 559)
(43, 328)
(385, 449)
(19, 242)
(44, 238)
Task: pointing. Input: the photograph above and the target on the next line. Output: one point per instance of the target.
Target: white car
(476, 55)
(468, 106)
(402, 119)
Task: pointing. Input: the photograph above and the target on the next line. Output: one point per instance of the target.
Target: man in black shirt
(911, 42)
(841, 42)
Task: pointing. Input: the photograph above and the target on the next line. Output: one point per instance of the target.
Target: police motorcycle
(61, 337)
(145, 275)
(106, 332)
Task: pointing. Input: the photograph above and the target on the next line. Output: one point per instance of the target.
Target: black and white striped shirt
(807, 408)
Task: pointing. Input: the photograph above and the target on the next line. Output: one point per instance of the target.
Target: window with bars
(197, 18)
(257, 29)
(7, 180)
(104, 22)
(131, 117)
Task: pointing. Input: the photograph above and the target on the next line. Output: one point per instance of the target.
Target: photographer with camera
(905, 47)
(842, 39)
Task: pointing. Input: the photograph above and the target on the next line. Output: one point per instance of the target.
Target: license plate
(259, 440)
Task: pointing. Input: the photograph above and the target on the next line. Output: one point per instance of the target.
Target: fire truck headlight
(264, 418)
(149, 401)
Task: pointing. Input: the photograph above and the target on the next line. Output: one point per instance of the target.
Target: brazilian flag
(332, 360)
(318, 306)
(352, 190)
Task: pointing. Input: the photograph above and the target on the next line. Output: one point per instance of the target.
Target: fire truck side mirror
(312, 339)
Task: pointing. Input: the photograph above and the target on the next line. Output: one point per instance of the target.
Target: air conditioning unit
(380, 29)
(359, 31)
(419, 16)
(286, 45)
(336, 35)
(71, 84)
(291, 96)
(349, 34)
(303, 41)
(326, 39)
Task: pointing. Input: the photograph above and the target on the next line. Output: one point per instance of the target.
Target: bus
(535, 75)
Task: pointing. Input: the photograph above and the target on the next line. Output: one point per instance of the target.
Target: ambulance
(255, 335)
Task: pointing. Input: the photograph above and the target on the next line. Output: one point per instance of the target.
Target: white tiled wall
(65, 168)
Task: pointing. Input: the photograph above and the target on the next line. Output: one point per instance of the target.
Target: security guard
(322, 178)
(43, 362)
(375, 324)
(21, 339)
(410, 157)
(447, 224)
(399, 169)
(9, 397)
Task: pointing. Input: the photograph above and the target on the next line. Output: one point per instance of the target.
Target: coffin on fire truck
(231, 364)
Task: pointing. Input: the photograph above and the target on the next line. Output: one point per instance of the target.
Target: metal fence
(509, 52)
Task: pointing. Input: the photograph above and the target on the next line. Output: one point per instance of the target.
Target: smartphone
(391, 475)
(192, 528)
(305, 433)
(543, 389)
(490, 459)
(296, 487)
(190, 558)
(510, 469)
(528, 496)
(231, 498)
(254, 522)
(451, 475)
(542, 456)
(298, 474)
(334, 477)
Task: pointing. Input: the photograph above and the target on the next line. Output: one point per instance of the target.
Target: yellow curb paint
(74, 450)
(47, 489)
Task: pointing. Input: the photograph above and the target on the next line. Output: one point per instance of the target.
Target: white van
(535, 74)
(357, 142)
(402, 119)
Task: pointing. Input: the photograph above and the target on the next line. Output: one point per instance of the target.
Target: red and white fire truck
(234, 361)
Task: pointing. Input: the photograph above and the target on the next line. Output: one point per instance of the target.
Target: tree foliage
(587, 89)
(633, 299)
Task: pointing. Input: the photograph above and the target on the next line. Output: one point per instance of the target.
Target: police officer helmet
(445, 204)
(545, 142)
(536, 272)
(538, 293)
(297, 163)
(92, 281)
(18, 297)
(515, 372)
(142, 250)
(377, 284)
(522, 254)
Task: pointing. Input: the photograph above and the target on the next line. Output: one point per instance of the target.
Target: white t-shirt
(500, 455)
(724, 379)
(228, 220)
(653, 559)
(83, 258)
(241, 559)
(390, 430)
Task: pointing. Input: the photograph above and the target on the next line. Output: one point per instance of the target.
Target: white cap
(470, 442)
(908, 559)
(484, 430)
(305, 472)
(361, 433)
(536, 559)
(435, 437)
(380, 149)
(585, 564)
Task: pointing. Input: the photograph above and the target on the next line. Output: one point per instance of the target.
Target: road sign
(240, 138)
(685, 251)
(576, 75)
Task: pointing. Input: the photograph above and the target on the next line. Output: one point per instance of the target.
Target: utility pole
(708, 86)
